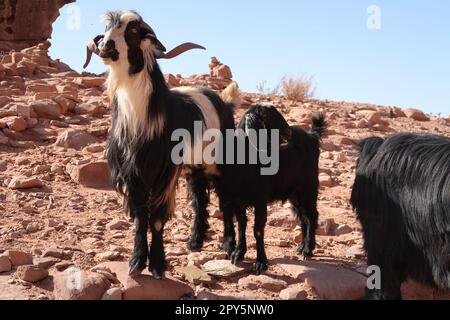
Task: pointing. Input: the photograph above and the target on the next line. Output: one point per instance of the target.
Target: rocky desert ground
(64, 234)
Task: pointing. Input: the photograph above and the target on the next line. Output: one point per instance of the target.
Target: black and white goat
(401, 196)
(243, 186)
(145, 114)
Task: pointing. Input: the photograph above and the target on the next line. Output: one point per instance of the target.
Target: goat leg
(229, 234)
(198, 188)
(309, 225)
(157, 265)
(306, 212)
(139, 257)
(238, 254)
(392, 275)
(261, 265)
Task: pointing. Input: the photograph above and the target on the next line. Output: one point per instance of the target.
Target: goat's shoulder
(184, 98)
(180, 96)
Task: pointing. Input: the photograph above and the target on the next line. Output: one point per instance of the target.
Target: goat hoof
(195, 245)
(261, 267)
(304, 251)
(237, 256)
(158, 275)
(136, 267)
(229, 247)
(307, 258)
(157, 267)
(301, 248)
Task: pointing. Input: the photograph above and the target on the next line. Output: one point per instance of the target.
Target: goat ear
(253, 121)
(155, 42)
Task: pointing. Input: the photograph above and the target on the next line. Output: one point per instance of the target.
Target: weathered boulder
(91, 175)
(253, 282)
(5, 264)
(41, 87)
(417, 115)
(293, 294)
(74, 284)
(145, 287)
(343, 229)
(373, 117)
(18, 183)
(54, 253)
(14, 123)
(91, 81)
(396, 112)
(45, 262)
(88, 108)
(325, 227)
(27, 23)
(75, 139)
(225, 269)
(117, 224)
(223, 72)
(325, 180)
(194, 275)
(19, 258)
(47, 109)
(328, 281)
(66, 104)
(32, 273)
(23, 110)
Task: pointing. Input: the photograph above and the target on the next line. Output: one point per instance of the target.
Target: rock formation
(25, 23)
(219, 77)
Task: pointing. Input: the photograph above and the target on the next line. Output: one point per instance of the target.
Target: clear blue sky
(405, 63)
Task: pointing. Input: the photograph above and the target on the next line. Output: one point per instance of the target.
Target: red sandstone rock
(417, 115)
(75, 139)
(74, 284)
(32, 273)
(27, 23)
(24, 183)
(19, 258)
(92, 175)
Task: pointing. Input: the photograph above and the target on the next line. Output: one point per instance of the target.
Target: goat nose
(107, 46)
(110, 45)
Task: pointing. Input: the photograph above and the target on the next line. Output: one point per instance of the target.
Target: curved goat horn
(92, 47)
(174, 52)
(145, 25)
(152, 36)
(182, 48)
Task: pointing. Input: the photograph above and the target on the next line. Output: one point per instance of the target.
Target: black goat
(145, 115)
(243, 186)
(401, 196)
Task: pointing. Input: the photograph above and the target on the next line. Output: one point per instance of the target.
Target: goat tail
(232, 95)
(319, 125)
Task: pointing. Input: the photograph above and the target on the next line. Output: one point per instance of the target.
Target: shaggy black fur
(401, 196)
(243, 186)
(143, 172)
